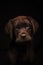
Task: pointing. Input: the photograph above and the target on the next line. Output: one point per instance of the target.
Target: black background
(11, 9)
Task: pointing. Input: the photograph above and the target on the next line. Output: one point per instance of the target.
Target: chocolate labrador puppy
(21, 30)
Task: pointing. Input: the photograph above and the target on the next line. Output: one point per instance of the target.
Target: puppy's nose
(23, 35)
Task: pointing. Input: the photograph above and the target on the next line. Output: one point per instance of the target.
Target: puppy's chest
(20, 54)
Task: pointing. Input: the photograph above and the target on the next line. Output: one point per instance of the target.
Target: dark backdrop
(9, 10)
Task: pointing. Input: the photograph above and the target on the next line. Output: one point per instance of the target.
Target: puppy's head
(22, 27)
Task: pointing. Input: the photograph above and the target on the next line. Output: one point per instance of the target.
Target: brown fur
(28, 53)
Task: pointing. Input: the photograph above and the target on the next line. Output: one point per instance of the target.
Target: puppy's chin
(23, 42)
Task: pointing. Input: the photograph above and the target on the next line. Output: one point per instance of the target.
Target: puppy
(21, 30)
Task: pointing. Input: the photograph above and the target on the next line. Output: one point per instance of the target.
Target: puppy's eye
(18, 27)
(27, 28)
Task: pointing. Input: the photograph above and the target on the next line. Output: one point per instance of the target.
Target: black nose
(23, 35)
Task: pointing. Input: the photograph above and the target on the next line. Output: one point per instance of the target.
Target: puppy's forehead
(22, 19)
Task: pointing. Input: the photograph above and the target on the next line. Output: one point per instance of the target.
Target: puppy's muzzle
(23, 35)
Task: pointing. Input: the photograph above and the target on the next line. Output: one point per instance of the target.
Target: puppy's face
(23, 28)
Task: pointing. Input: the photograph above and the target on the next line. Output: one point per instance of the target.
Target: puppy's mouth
(23, 42)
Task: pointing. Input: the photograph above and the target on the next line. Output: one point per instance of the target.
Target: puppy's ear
(9, 27)
(34, 24)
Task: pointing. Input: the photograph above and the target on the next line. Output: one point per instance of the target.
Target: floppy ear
(35, 24)
(9, 27)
